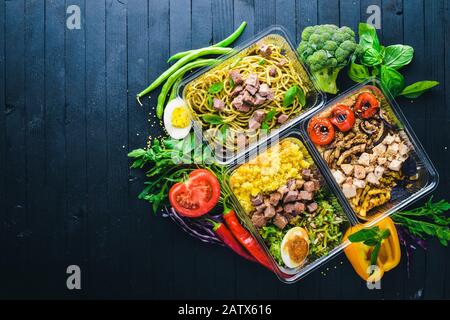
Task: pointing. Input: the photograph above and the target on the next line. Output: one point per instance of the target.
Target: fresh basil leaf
(231, 82)
(374, 254)
(210, 101)
(371, 57)
(364, 234)
(215, 88)
(392, 80)
(384, 234)
(398, 55)
(212, 119)
(358, 72)
(368, 37)
(262, 62)
(371, 242)
(268, 118)
(291, 94)
(416, 89)
(136, 153)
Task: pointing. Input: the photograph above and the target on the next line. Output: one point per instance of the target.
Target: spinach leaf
(358, 72)
(215, 88)
(212, 119)
(371, 57)
(392, 80)
(416, 89)
(368, 37)
(291, 93)
(398, 55)
(210, 100)
(268, 118)
(364, 234)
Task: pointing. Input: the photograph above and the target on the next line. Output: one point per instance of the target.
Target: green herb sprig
(372, 237)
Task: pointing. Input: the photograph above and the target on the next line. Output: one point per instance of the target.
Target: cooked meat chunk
(257, 200)
(306, 195)
(248, 99)
(275, 197)
(306, 174)
(282, 118)
(291, 196)
(379, 170)
(272, 72)
(312, 207)
(359, 172)
(258, 220)
(338, 176)
(280, 221)
(289, 207)
(261, 207)
(241, 140)
(359, 184)
(299, 207)
(291, 184)
(265, 51)
(253, 124)
(251, 89)
(309, 186)
(299, 183)
(218, 104)
(393, 149)
(264, 90)
(316, 184)
(395, 165)
(349, 190)
(258, 115)
(239, 105)
(403, 149)
(282, 62)
(283, 189)
(259, 100)
(269, 212)
(236, 77)
(236, 91)
(252, 80)
(347, 168)
(364, 159)
(389, 139)
(255, 121)
(353, 150)
(372, 179)
(379, 149)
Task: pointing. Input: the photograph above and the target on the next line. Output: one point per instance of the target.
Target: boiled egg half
(295, 247)
(177, 119)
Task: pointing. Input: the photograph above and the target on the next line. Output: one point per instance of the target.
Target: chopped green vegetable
(212, 119)
(418, 88)
(371, 237)
(215, 88)
(292, 93)
(268, 118)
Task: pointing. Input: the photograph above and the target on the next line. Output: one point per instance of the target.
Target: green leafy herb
(210, 100)
(212, 119)
(262, 62)
(427, 220)
(416, 89)
(392, 80)
(368, 37)
(292, 93)
(358, 72)
(268, 118)
(215, 88)
(371, 57)
(371, 237)
(231, 82)
(398, 55)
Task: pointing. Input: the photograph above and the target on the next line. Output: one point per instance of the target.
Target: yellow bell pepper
(359, 254)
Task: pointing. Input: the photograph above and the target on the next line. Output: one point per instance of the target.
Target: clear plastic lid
(227, 126)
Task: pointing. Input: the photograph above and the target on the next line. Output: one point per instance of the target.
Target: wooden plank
(99, 266)
(201, 21)
(436, 140)
(160, 230)
(3, 237)
(328, 12)
(306, 16)
(16, 222)
(285, 16)
(350, 14)
(55, 144)
(117, 144)
(264, 14)
(138, 131)
(244, 11)
(223, 19)
(366, 13)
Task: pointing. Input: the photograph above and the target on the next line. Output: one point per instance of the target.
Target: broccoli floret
(326, 49)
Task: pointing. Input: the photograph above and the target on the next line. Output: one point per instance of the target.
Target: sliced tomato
(321, 131)
(343, 117)
(196, 196)
(366, 105)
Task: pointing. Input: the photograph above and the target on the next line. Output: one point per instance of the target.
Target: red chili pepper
(246, 239)
(224, 234)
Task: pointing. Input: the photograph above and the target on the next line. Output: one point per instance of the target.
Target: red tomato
(343, 117)
(196, 196)
(321, 131)
(366, 105)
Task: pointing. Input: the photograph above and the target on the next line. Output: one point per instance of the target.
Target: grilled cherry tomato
(343, 117)
(366, 105)
(196, 196)
(321, 131)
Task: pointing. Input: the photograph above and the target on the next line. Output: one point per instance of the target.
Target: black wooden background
(70, 117)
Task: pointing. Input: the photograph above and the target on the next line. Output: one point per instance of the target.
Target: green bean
(176, 75)
(192, 56)
(224, 43)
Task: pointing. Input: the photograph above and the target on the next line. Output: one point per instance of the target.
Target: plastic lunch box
(296, 128)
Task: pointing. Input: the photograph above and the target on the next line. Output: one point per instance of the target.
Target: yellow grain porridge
(269, 171)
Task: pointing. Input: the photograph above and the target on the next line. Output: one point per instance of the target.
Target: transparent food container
(393, 150)
(274, 164)
(223, 134)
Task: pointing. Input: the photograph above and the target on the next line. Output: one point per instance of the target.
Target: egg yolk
(180, 117)
(297, 249)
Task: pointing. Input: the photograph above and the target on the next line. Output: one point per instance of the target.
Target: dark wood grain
(70, 117)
